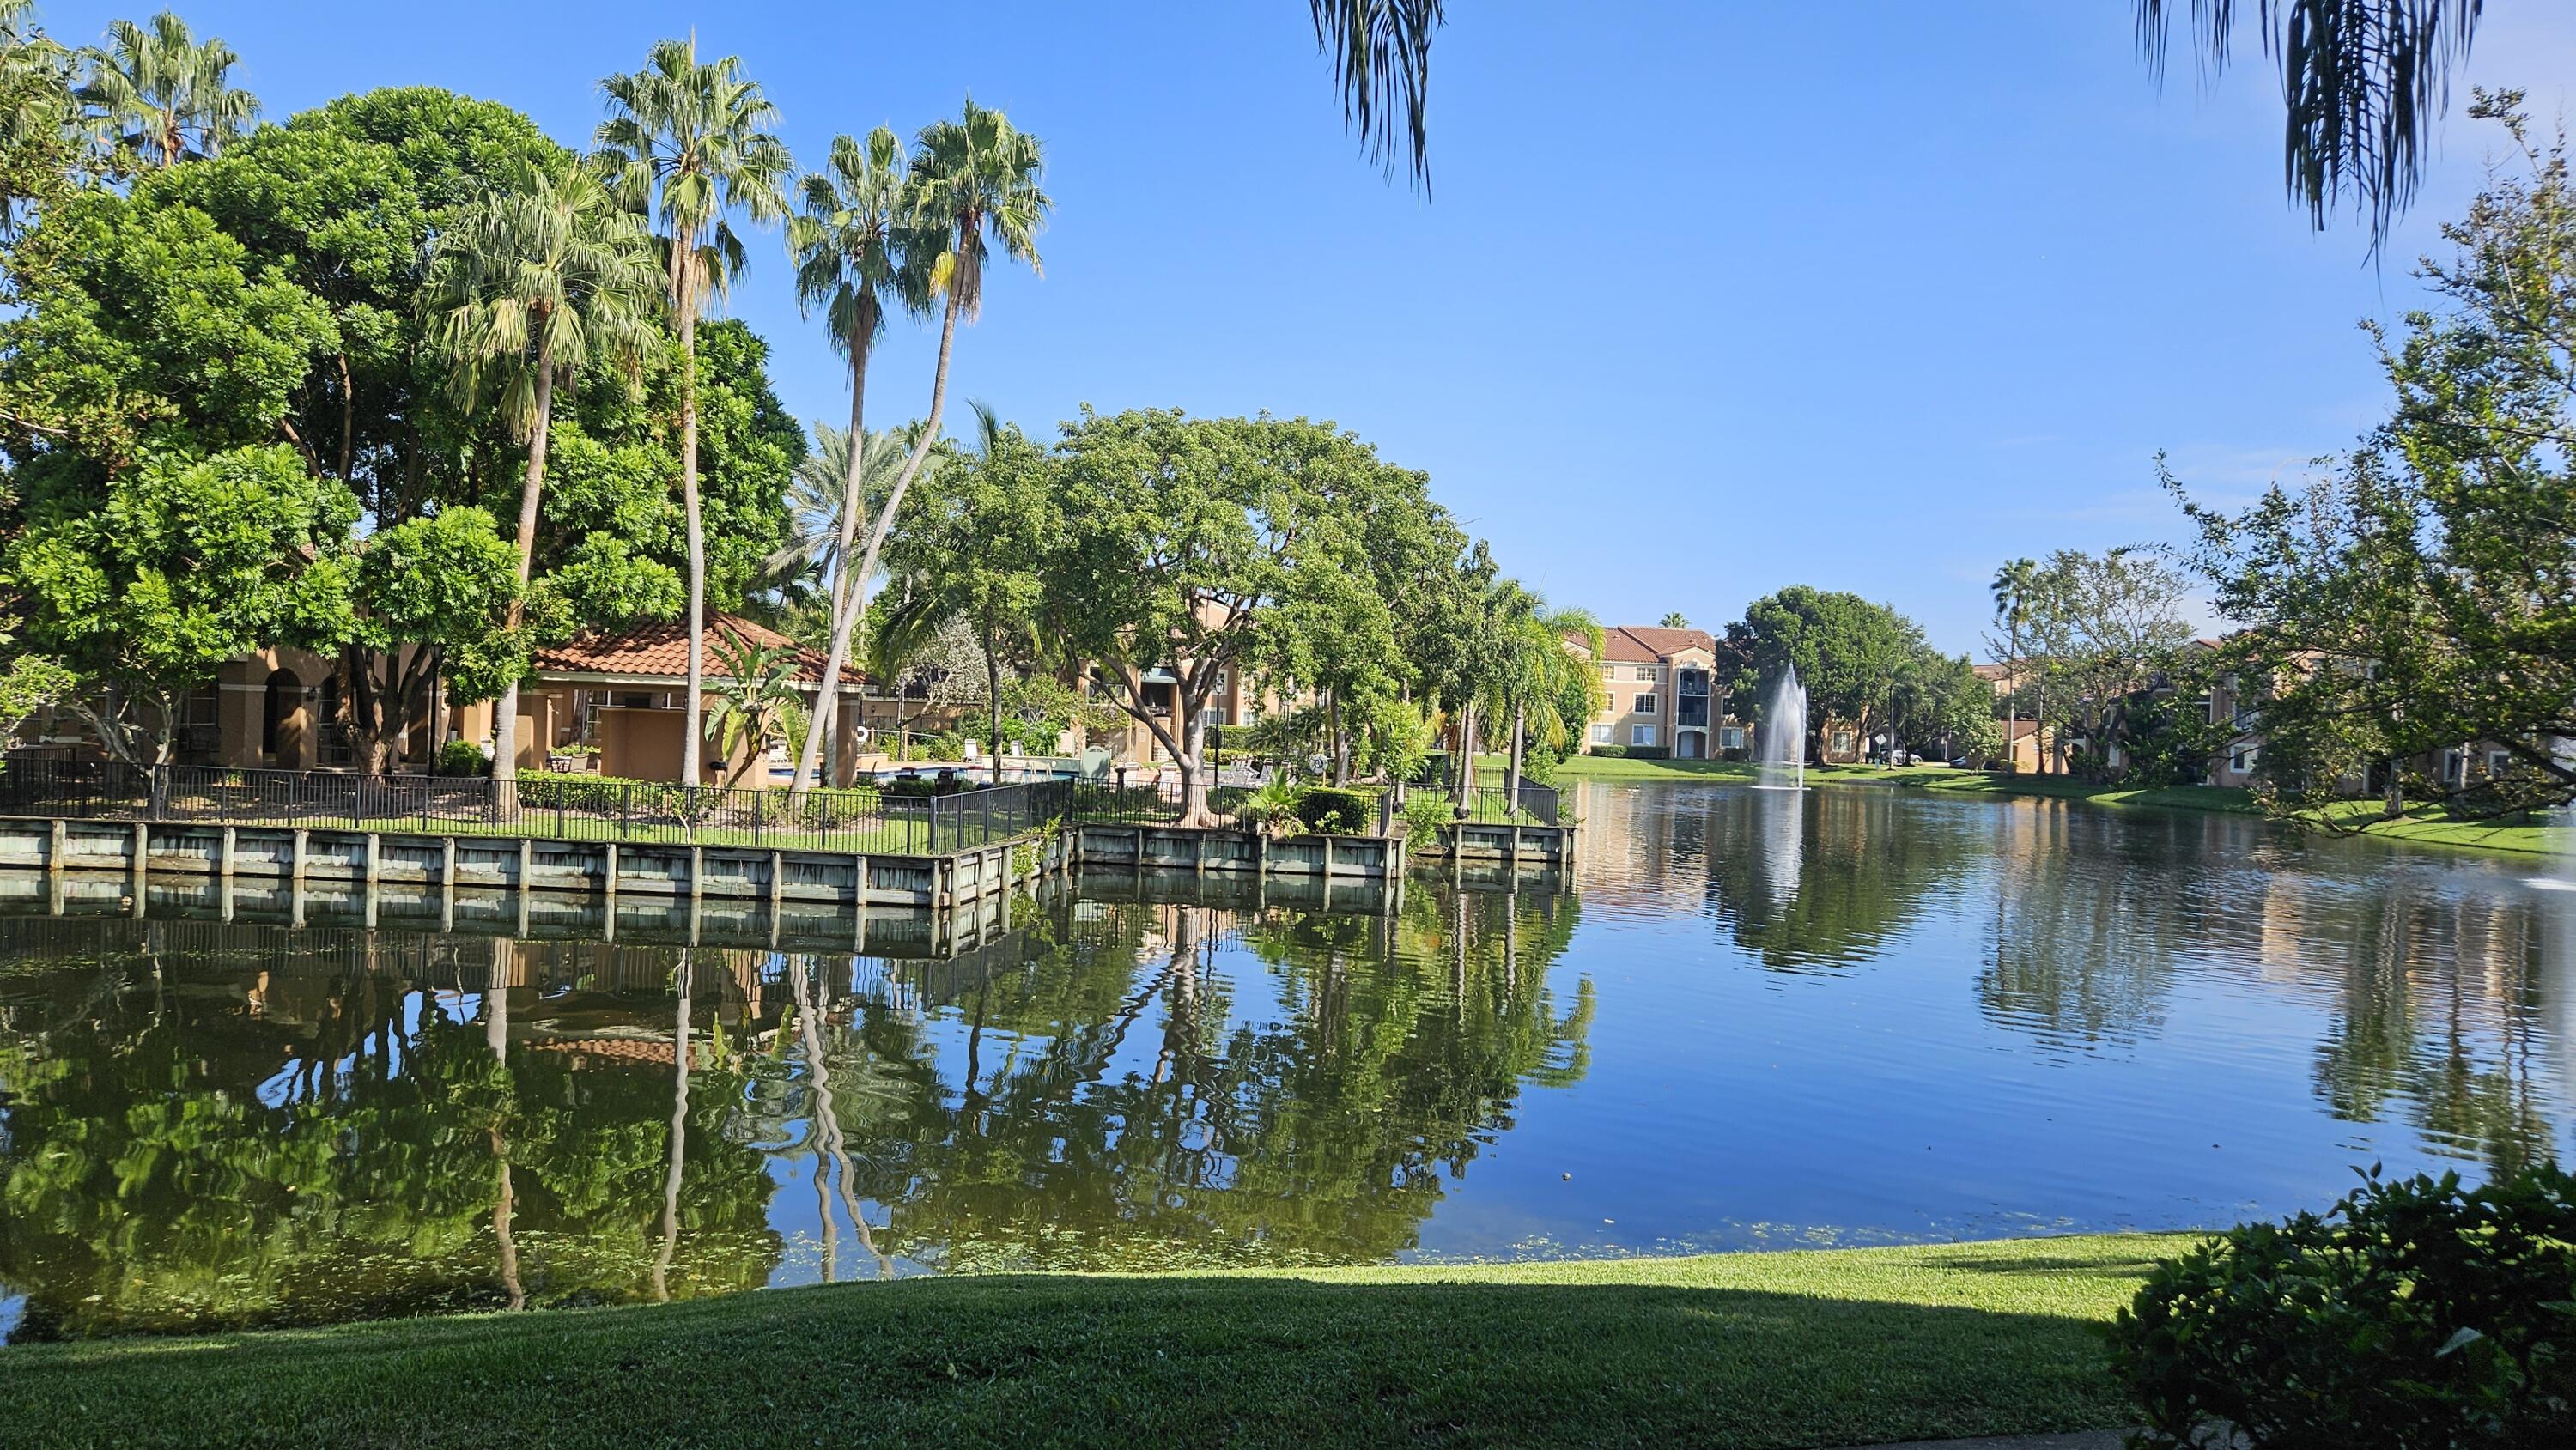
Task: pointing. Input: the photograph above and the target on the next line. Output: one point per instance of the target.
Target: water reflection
(1844, 1016)
(211, 1124)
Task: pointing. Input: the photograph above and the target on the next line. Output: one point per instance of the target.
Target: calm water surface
(1746, 1020)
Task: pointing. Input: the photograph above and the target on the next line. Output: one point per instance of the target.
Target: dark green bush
(1632, 752)
(1333, 811)
(2415, 1313)
(461, 757)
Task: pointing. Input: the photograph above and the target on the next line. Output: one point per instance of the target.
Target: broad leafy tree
(1197, 548)
(691, 141)
(2422, 596)
(184, 565)
(1847, 652)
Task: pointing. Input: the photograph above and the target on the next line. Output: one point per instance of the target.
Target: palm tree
(2015, 586)
(530, 281)
(851, 249)
(817, 501)
(1381, 55)
(692, 142)
(757, 700)
(164, 96)
(974, 176)
(1547, 676)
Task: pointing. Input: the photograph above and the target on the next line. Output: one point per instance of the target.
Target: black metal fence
(887, 819)
(1157, 800)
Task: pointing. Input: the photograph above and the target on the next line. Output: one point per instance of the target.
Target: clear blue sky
(1709, 297)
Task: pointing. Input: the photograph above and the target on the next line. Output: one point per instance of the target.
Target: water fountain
(1784, 735)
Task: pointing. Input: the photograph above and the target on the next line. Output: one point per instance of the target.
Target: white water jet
(1784, 735)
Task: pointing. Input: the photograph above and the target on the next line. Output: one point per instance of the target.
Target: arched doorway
(285, 722)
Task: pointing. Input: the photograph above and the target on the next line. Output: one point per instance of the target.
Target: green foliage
(154, 319)
(462, 757)
(1847, 652)
(2413, 1313)
(185, 565)
(1334, 811)
(1274, 802)
(1427, 814)
(446, 579)
(2425, 593)
(1633, 752)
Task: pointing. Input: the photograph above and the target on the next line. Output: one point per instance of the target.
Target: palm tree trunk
(505, 729)
(691, 743)
(992, 701)
(912, 462)
(1512, 766)
(1466, 782)
(679, 1136)
(845, 590)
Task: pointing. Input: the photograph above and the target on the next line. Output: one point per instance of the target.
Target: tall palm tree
(852, 248)
(2015, 586)
(974, 182)
(530, 281)
(691, 141)
(163, 95)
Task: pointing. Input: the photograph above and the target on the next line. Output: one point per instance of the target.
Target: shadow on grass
(1063, 1359)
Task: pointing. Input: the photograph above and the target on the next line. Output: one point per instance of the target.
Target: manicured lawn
(1783, 1349)
(2422, 825)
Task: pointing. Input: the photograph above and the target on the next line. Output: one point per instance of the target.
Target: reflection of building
(1665, 695)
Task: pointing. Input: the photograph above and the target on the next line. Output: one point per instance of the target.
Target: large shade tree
(693, 142)
(528, 284)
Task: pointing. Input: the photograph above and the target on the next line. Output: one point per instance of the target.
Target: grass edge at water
(1782, 1349)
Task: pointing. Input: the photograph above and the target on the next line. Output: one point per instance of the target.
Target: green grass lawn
(1774, 1349)
(2422, 825)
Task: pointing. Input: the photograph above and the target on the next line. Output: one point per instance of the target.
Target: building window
(1641, 734)
(1645, 672)
(2498, 762)
(1600, 734)
(1609, 672)
(1730, 737)
(2241, 760)
(1645, 705)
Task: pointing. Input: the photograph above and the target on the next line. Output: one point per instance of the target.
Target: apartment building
(1664, 692)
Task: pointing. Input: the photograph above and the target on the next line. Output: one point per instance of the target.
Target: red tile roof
(660, 650)
(1646, 644)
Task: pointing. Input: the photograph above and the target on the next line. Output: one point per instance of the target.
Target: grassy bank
(1754, 1350)
(2422, 825)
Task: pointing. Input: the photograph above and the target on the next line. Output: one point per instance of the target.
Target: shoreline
(2421, 826)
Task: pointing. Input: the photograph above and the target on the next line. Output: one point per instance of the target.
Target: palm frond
(1381, 56)
(2363, 82)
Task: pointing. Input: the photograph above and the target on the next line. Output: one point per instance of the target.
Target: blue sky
(1709, 298)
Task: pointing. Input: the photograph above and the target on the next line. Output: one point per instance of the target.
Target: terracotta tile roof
(1645, 644)
(660, 650)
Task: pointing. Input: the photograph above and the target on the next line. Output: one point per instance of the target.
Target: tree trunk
(693, 741)
(867, 566)
(992, 701)
(1466, 782)
(679, 1136)
(1512, 763)
(1194, 791)
(505, 728)
(2395, 803)
(846, 590)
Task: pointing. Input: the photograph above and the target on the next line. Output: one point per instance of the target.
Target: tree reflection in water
(215, 1124)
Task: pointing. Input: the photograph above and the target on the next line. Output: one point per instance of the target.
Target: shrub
(2412, 1313)
(461, 757)
(1274, 802)
(1632, 752)
(1333, 811)
(1426, 813)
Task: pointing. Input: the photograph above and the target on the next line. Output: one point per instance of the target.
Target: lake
(1746, 1019)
